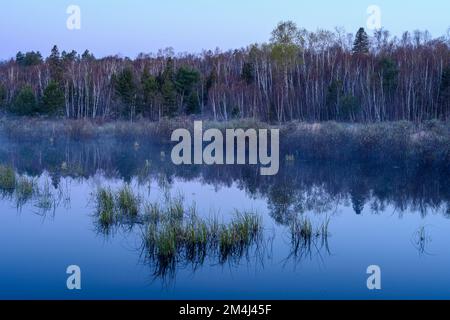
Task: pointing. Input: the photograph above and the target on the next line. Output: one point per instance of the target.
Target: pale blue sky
(128, 27)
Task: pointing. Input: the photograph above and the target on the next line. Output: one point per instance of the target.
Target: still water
(390, 215)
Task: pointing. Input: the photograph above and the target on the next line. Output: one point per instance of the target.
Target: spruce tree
(361, 44)
(52, 99)
(55, 65)
(25, 102)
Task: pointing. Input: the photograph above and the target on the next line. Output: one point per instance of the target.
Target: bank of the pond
(426, 143)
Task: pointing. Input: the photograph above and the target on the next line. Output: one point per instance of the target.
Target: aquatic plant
(239, 234)
(25, 188)
(7, 178)
(105, 206)
(127, 202)
(303, 235)
(176, 233)
(45, 200)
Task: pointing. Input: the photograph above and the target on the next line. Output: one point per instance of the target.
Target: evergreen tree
(168, 90)
(193, 104)
(55, 65)
(361, 44)
(87, 56)
(126, 89)
(150, 91)
(2, 96)
(52, 99)
(186, 81)
(389, 72)
(248, 71)
(28, 59)
(444, 91)
(24, 103)
(169, 98)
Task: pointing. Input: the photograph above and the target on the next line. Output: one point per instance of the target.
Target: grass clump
(25, 188)
(239, 234)
(175, 233)
(7, 178)
(127, 202)
(45, 200)
(304, 235)
(105, 206)
(116, 207)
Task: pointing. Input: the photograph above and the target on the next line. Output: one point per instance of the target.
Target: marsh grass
(304, 236)
(45, 200)
(175, 233)
(25, 190)
(113, 208)
(7, 179)
(105, 206)
(237, 236)
(127, 202)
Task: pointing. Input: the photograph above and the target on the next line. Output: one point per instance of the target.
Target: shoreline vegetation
(426, 143)
(299, 75)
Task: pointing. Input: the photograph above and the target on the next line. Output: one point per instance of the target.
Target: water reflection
(302, 201)
(299, 186)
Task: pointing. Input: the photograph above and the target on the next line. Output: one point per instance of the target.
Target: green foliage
(186, 81)
(7, 178)
(349, 107)
(55, 65)
(68, 57)
(389, 72)
(2, 96)
(127, 202)
(52, 99)
(25, 188)
(24, 103)
(361, 44)
(248, 73)
(150, 92)
(105, 206)
(126, 90)
(193, 104)
(334, 93)
(285, 33)
(285, 54)
(169, 95)
(28, 59)
(87, 56)
(149, 87)
(445, 87)
(285, 43)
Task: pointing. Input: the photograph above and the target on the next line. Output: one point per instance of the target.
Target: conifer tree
(361, 44)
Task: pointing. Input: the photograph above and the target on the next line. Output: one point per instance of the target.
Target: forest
(298, 75)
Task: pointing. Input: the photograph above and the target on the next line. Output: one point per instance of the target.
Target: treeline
(298, 75)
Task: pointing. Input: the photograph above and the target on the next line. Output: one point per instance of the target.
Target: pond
(320, 225)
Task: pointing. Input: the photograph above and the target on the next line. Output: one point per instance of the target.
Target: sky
(128, 27)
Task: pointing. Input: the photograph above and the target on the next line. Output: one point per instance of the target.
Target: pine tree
(126, 89)
(361, 44)
(52, 99)
(55, 65)
(2, 96)
(25, 102)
